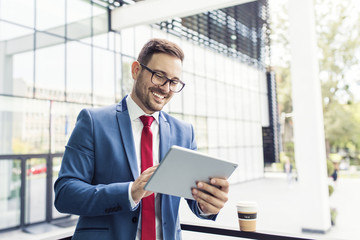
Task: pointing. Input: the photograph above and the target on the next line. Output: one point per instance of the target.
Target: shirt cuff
(131, 200)
(201, 212)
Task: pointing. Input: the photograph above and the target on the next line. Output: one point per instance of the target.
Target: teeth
(158, 95)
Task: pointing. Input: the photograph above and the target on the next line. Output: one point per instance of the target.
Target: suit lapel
(123, 119)
(164, 135)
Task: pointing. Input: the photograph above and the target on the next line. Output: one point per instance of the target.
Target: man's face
(149, 97)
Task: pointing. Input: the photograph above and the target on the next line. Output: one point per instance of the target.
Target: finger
(221, 182)
(151, 169)
(217, 193)
(208, 199)
(206, 207)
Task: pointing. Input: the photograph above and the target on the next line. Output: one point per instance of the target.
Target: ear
(135, 70)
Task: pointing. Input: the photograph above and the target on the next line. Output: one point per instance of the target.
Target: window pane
(175, 105)
(78, 17)
(200, 95)
(213, 132)
(128, 42)
(199, 55)
(23, 74)
(10, 31)
(50, 16)
(142, 35)
(10, 193)
(118, 77)
(189, 56)
(35, 195)
(78, 64)
(18, 11)
(25, 127)
(201, 129)
(50, 75)
(210, 64)
(56, 169)
(63, 119)
(128, 81)
(221, 99)
(211, 97)
(189, 94)
(104, 92)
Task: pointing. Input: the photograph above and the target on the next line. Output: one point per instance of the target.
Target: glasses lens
(161, 79)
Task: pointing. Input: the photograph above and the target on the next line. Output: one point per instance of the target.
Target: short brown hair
(157, 45)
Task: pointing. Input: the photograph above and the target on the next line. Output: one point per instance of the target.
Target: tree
(339, 44)
(338, 32)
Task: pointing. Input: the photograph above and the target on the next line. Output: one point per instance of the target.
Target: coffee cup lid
(247, 206)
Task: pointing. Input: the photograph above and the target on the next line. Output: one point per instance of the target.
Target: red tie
(148, 203)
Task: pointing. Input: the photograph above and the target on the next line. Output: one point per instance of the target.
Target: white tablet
(181, 168)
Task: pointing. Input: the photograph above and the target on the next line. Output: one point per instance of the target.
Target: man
(100, 177)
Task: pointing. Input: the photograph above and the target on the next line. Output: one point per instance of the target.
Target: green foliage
(330, 167)
(333, 215)
(331, 190)
(338, 33)
(341, 125)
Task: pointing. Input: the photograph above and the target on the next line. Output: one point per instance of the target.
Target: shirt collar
(135, 111)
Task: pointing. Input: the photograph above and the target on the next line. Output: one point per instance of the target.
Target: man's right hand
(137, 190)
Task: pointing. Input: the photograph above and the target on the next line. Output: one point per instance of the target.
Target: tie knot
(147, 120)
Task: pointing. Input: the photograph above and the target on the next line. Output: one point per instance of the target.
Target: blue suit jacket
(99, 163)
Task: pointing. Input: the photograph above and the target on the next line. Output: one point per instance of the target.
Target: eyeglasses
(160, 79)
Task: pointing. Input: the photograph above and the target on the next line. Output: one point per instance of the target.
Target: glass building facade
(57, 57)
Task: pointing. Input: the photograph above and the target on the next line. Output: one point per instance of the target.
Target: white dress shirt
(136, 124)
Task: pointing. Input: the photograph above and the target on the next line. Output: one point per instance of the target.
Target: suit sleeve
(74, 191)
(192, 203)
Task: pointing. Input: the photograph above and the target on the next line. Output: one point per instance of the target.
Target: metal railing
(23, 173)
(230, 233)
(49, 203)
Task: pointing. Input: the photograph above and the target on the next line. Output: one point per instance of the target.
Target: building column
(309, 137)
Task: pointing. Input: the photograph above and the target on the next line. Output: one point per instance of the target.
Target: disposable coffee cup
(247, 214)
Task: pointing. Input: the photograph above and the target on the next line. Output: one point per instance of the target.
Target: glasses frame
(167, 79)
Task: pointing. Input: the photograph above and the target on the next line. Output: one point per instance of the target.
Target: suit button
(134, 219)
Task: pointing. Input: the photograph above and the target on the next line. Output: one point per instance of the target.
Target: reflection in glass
(10, 193)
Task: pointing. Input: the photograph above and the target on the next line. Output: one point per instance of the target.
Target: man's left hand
(215, 196)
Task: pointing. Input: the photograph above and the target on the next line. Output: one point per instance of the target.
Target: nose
(165, 88)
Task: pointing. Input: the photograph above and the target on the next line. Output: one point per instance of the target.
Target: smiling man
(114, 150)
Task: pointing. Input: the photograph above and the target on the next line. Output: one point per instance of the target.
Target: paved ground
(279, 211)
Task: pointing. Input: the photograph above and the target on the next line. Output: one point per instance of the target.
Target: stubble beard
(147, 100)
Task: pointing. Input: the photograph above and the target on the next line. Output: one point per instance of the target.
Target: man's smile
(158, 95)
